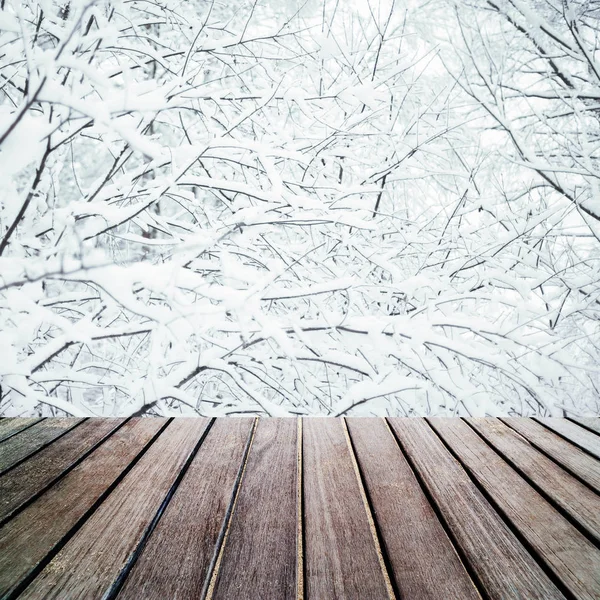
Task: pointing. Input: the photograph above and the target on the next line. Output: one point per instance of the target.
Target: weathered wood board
(299, 509)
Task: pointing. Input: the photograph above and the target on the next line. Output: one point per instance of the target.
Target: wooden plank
(566, 454)
(26, 480)
(93, 559)
(12, 426)
(571, 556)
(30, 536)
(19, 447)
(175, 562)
(341, 558)
(504, 569)
(574, 433)
(423, 559)
(576, 499)
(259, 552)
(592, 423)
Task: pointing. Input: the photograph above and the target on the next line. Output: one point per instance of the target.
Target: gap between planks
(563, 453)
(25, 423)
(478, 584)
(370, 519)
(534, 552)
(300, 515)
(211, 579)
(119, 582)
(574, 433)
(592, 534)
(58, 544)
(69, 465)
(213, 569)
(590, 423)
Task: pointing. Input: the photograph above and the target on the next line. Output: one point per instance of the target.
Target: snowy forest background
(290, 208)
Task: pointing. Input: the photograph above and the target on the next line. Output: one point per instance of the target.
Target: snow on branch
(299, 208)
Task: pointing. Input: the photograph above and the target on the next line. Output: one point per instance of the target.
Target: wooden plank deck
(318, 509)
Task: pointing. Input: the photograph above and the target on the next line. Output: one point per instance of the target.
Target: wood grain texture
(25, 480)
(259, 555)
(424, 562)
(175, 561)
(99, 521)
(30, 536)
(504, 568)
(574, 433)
(565, 550)
(92, 560)
(341, 558)
(11, 426)
(32, 439)
(566, 454)
(592, 423)
(576, 499)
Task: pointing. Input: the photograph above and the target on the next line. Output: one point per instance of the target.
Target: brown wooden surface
(25, 443)
(565, 453)
(262, 532)
(574, 560)
(341, 559)
(350, 509)
(576, 499)
(588, 441)
(9, 427)
(423, 559)
(92, 560)
(502, 565)
(592, 423)
(28, 538)
(32, 476)
(175, 562)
